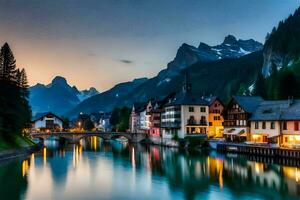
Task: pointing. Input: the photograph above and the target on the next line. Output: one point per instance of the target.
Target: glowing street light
(79, 125)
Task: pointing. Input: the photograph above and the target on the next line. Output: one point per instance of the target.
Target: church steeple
(187, 85)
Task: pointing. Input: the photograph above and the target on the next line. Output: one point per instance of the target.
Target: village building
(137, 119)
(216, 119)
(186, 115)
(277, 122)
(104, 122)
(154, 120)
(155, 117)
(45, 122)
(236, 117)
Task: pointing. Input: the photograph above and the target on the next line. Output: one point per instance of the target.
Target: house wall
(216, 120)
(41, 123)
(144, 121)
(260, 134)
(290, 136)
(291, 128)
(197, 114)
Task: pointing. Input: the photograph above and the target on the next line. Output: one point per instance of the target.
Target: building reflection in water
(25, 167)
(77, 154)
(45, 156)
(191, 174)
(133, 158)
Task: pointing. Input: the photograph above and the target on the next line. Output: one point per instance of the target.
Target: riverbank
(18, 146)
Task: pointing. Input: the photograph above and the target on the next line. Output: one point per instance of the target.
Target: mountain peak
(229, 39)
(59, 80)
(203, 45)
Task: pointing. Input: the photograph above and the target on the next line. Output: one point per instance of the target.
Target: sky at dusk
(104, 42)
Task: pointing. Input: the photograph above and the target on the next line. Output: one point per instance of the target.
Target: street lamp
(79, 125)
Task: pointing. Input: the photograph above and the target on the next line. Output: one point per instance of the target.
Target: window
(203, 120)
(203, 109)
(210, 123)
(191, 109)
(256, 125)
(263, 125)
(191, 120)
(284, 126)
(218, 118)
(272, 125)
(296, 126)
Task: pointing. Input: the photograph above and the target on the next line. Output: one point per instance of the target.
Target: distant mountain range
(230, 68)
(169, 79)
(58, 96)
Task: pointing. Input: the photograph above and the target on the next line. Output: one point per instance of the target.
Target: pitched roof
(269, 110)
(277, 110)
(188, 98)
(248, 103)
(292, 112)
(41, 115)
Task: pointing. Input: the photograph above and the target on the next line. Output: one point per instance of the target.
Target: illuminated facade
(43, 122)
(216, 119)
(237, 115)
(186, 115)
(276, 122)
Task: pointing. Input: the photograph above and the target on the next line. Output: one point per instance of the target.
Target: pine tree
(18, 78)
(24, 81)
(8, 64)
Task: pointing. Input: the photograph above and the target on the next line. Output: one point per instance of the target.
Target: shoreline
(16, 153)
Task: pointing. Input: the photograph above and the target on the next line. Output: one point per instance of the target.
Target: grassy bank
(17, 141)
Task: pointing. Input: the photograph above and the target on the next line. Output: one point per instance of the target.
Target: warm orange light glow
(45, 155)
(25, 167)
(292, 173)
(259, 167)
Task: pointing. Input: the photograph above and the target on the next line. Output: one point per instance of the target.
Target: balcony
(170, 124)
(192, 122)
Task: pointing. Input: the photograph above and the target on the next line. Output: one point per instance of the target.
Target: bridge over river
(75, 137)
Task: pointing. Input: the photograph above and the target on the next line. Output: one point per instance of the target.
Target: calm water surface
(95, 169)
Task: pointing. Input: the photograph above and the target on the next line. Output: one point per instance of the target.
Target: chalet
(236, 117)
(216, 108)
(185, 115)
(276, 122)
(47, 122)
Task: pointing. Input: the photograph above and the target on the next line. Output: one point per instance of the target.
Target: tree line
(281, 84)
(15, 112)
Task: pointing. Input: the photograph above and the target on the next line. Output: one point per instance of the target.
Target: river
(95, 169)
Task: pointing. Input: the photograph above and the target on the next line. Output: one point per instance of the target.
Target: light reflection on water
(95, 169)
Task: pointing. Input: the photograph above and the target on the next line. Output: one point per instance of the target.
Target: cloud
(125, 61)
